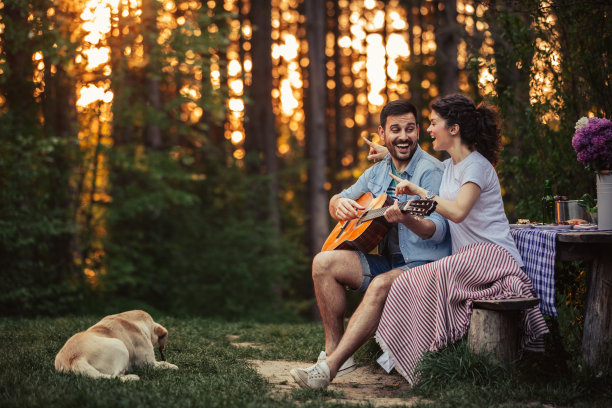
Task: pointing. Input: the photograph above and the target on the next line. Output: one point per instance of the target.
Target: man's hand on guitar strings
(347, 209)
(395, 214)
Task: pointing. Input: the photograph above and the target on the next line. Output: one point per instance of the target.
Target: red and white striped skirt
(430, 306)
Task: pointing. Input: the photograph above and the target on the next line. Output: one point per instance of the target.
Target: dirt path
(365, 384)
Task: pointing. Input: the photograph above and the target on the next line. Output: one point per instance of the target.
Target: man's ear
(381, 133)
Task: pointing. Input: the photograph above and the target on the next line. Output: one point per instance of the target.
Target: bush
(192, 245)
(36, 225)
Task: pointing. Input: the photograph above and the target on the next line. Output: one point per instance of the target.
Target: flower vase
(604, 201)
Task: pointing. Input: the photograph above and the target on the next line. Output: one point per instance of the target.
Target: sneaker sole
(298, 379)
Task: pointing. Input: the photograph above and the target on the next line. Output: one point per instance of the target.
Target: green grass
(215, 374)
(212, 373)
(456, 378)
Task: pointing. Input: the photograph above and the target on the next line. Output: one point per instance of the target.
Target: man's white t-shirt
(487, 221)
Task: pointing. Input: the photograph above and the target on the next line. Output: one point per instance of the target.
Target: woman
(470, 194)
(430, 306)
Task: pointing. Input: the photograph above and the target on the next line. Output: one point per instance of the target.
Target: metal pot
(569, 210)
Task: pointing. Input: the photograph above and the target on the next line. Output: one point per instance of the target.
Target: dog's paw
(165, 365)
(129, 377)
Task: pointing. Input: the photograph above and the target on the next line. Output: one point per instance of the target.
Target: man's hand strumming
(347, 209)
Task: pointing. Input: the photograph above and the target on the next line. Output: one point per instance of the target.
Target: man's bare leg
(331, 272)
(364, 322)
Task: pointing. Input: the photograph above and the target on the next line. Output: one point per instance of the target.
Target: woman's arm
(455, 211)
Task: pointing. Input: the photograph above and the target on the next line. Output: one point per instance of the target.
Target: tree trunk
(315, 125)
(122, 131)
(337, 143)
(153, 134)
(260, 128)
(447, 32)
(59, 112)
(17, 50)
(414, 85)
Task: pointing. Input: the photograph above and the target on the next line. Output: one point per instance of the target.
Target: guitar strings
(371, 214)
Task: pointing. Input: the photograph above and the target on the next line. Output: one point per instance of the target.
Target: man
(410, 242)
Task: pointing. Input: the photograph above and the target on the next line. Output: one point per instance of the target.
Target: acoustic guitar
(366, 231)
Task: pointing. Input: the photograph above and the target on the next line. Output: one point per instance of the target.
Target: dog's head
(159, 335)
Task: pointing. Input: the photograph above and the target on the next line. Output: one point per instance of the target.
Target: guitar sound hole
(342, 229)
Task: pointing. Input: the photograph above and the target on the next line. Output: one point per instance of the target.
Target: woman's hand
(455, 211)
(406, 187)
(377, 152)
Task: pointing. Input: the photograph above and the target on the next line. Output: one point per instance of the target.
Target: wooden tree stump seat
(495, 327)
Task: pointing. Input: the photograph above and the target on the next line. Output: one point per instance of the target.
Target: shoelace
(315, 372)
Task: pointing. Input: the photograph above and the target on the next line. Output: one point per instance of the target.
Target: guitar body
(357, 234)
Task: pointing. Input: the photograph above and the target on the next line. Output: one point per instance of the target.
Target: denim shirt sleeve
(358, 189)
(370, 181)
(430, 181)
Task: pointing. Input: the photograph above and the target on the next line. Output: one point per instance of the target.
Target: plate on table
(585, 226)
(513, 226)
(553, 226)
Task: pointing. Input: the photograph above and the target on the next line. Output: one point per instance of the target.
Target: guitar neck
(379, 212)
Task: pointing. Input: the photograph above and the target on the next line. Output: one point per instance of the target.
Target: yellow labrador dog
(114, 345)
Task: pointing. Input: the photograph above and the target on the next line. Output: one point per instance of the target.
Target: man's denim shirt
(426, 171)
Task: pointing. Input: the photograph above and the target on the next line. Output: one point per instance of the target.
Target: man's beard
(412, 146)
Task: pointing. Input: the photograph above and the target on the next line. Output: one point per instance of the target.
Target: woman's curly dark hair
(479, 127)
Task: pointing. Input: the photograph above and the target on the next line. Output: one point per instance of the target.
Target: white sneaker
(314, 377)
(348, 366)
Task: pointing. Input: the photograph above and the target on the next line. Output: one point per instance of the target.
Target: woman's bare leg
(364, 322)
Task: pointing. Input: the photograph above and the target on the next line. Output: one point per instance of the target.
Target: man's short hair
(398, 107)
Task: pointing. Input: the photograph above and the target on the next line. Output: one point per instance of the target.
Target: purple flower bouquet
(593, 143)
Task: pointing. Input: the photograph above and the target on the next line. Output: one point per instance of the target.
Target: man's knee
(341, 266)
(321, 264)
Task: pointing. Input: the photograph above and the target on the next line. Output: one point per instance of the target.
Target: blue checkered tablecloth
(538, 249)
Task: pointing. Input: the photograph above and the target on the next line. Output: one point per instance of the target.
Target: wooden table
(595, 246)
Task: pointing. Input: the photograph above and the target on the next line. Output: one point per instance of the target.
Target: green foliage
(538, 128)
(36, 224)
(192, 243)
(36, 159)
(588, 203)
(177, 232)
(180, 232)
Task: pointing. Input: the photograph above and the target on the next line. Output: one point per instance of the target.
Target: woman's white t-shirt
(487, 221)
